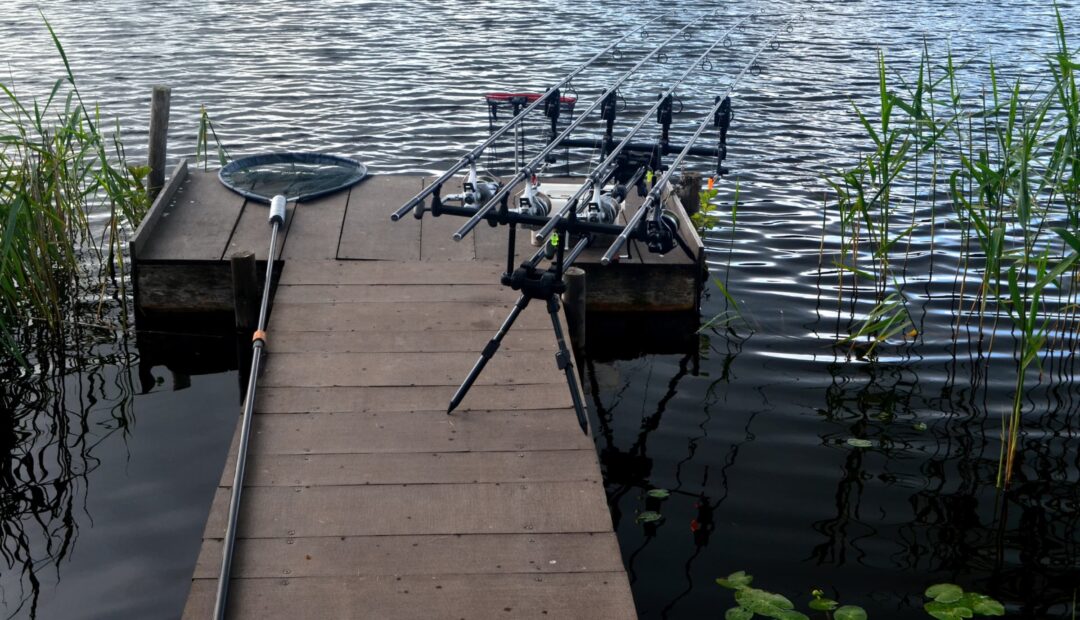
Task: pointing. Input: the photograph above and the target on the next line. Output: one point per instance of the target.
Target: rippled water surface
(750, 431)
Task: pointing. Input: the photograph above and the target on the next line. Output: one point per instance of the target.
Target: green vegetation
(1001, 169)
(947, 602)
(58, 169)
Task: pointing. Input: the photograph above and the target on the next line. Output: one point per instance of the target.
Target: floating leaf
(823, 604)
(983, 605)
(855, 442)
(649, 516)
(658, 493)
(850, 612)
(738, 613)
(945, 592)
(736, 580)
(919, 426)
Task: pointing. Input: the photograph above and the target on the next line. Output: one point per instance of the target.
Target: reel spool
(660, 236)
(602, 209)
(532, 201)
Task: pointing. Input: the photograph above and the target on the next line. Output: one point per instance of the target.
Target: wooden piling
(245, 287)
(574, 300)
(689, 191)
(159, 135)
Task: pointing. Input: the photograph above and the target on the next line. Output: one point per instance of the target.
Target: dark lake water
(748, 429)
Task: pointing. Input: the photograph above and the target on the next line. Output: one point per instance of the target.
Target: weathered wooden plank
(405, 369)
(367, 232)
(252, 231)
(387, 510)
(491, 244)
(630, 287)
(436, 241)
(421, 431)
(420, 398)
(198, 223)
(534, 554)
(316, 228)
(463, 341)
(387, 272)
(153, 215)
(376, 316)
(414, 468)
(571, 596)
(395, 293)
(183, 287)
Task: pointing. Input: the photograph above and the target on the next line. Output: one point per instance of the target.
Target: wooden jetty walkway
(363, 499)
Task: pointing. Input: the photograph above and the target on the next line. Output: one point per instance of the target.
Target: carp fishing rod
(548, 284)
(663, 108)
(653, 202)
(550, 100)
(529, 169)
(258, 341)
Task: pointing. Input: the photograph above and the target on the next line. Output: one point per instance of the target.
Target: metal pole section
(277, 216)
(598, 175)
(658, 188)
(475, 152)
(527, 170)
(488, 352)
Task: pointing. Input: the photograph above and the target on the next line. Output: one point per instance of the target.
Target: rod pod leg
(487, 353)
(566, 364)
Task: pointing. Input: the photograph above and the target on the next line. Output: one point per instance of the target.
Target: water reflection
(54, 421)
(874, 525)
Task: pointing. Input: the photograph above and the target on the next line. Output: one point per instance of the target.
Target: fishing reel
(660, 236)
(602, 209)
(532, 201)
(477, 190)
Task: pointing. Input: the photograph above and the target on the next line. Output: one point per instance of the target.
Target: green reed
(57, 168)
(1010, 158)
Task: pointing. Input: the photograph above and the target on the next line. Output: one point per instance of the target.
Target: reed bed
(995, 171)
(59, 168)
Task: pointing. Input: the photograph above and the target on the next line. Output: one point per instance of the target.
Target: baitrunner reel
(532, 201)
(661, 236)
(477, 190)
(602, 209)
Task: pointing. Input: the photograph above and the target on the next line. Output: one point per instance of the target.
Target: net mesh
(297, 176)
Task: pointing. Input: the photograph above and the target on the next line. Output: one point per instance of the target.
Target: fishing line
(654, 194)
(527, 171)
(472, 156)
(598, 176)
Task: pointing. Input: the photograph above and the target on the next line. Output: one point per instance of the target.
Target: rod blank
(528, 169)
(475, 153)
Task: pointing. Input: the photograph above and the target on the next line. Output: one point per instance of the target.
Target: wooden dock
(362, 497)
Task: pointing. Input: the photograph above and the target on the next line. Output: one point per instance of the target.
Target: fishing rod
(528, 170)
(258, 341)
(653, 201)
(548, 99)
(603, 171)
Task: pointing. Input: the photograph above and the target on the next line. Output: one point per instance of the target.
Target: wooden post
(159, 137)
(245, 287)
(574, 300)
(689, 192)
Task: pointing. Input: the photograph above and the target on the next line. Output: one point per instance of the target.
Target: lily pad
(738, 613)
(823, 604)
(649, 516)
(855, 442)
(945, 592)
(735, 580)
(919, 426)
(658, 493)
(850, 612)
